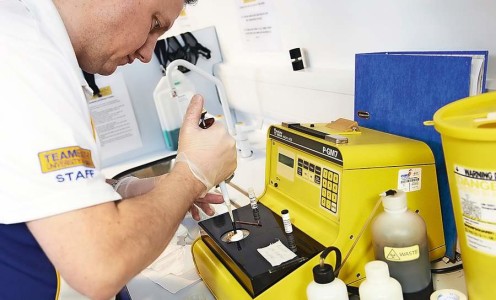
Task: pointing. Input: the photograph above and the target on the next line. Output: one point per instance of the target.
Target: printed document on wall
(113, 117)
(258, 26)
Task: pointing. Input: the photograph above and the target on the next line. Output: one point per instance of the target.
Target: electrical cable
(447, 269)
(352, 289)
(457, 266)
(365, 226)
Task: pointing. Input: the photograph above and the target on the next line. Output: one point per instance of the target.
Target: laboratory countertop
(144, 289)
(251, 173)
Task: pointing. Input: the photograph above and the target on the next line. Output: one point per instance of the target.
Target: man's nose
(144, 54)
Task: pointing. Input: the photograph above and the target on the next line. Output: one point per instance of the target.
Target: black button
(317, 170)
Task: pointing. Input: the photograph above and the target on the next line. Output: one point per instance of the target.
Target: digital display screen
(288, 161)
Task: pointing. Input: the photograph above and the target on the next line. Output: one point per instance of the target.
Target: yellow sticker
(104, 92)
(402, 254)
(63, 158)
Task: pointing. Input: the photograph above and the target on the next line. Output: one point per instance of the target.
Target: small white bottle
(378, 285)
(325, 285)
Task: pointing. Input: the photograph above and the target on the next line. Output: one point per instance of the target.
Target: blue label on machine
(298, 141)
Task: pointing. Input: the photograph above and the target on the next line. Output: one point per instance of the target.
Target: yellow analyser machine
(329, 180)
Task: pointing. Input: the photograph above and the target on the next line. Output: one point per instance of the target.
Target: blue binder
(396, 92)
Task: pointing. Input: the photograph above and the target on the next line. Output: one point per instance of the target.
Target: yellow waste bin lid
(471, 118)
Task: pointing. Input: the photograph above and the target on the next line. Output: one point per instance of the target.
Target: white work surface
(251, 173)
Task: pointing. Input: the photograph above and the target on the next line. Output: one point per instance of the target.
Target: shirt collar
(53, 26)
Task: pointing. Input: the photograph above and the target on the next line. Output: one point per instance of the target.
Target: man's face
(122, 31)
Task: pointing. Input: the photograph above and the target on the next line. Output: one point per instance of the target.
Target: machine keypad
(329, 194)
(327, 179)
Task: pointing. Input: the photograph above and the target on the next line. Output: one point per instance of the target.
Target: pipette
(205, 123)
(227, 201)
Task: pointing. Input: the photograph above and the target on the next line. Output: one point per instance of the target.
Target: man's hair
(190, 2)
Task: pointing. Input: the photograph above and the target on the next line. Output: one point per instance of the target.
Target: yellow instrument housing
(355, 167)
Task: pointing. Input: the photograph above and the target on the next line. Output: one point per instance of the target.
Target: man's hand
(131, 187)
(204, 204)
(209, 153)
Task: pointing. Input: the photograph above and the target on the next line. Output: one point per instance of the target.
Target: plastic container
(254, 204)
(288, 229)
(448, 294)
(171, 109)
(468, 135)
(325, 285)
(400, 239)
(378, 285)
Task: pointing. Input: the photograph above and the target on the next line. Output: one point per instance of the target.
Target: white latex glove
(204, 205)
(209, 153)
(131, 186)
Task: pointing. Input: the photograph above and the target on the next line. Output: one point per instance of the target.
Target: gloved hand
(204, 204)
(131, 186)
(209, 153)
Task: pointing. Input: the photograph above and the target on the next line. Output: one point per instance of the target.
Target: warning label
(477, 195)
(410, 180)
(402, 254)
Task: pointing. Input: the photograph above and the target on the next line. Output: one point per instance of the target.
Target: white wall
(332, 32)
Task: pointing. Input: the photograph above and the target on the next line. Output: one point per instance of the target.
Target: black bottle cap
(323, 274)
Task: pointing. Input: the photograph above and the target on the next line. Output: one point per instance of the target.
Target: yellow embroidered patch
(63, 158)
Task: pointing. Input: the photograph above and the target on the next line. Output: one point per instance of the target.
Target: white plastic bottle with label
(378, 285)
(171, 109)
(400, 239)
(325, 285)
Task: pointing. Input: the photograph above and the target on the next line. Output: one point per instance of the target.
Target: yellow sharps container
(468, 135)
